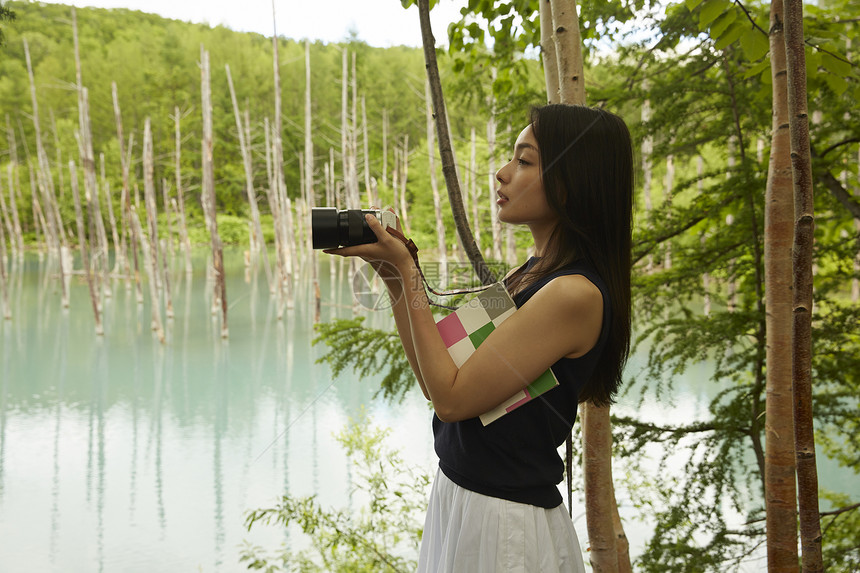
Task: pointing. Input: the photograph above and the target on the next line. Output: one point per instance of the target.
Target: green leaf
(836, 83)
(835, 65)
(711, 10)
(722, 23)
(813, 61)
(691, 4)
(754, 44)
(757, 69)
(730, 37)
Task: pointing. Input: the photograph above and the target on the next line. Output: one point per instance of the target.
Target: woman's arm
(562, 319)
(404, 329)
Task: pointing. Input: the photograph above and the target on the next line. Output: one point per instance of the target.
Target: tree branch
(836, 189)
(839, 144)
(750, 18)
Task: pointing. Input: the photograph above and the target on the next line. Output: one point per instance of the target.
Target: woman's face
(521, 196)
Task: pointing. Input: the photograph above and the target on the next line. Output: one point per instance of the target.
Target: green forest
(693, 81)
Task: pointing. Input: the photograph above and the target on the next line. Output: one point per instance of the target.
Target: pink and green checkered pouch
(467, 327)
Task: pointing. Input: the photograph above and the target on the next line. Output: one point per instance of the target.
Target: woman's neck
(541, 234)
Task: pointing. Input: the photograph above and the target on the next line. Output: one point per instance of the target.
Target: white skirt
(467, 532)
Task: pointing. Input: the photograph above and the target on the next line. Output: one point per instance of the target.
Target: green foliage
(382, 535)
(368, 351)
(8, 15)
(840, 527)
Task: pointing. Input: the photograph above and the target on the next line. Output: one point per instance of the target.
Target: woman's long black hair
(587, 171)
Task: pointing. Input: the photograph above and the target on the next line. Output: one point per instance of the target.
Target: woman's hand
(387, 255)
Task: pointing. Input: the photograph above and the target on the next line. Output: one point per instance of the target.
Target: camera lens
(331, 228)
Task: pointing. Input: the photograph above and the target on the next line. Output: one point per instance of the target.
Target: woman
(495, 504)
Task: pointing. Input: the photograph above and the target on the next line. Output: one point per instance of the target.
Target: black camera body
(331, 228)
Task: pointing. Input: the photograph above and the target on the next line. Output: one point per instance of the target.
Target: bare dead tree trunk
(780, 491)
(13, 207)
(286, 256)
(125, 161)
(310, 195)
(220, 293)
(404, 178)
(272, 199)
(151, 214)
(45, 181)
(111, 215)
(495, 224)
(4, 290)
(180, 192)
(372, 199)
(245, 144)
(647, 151)
(446, 152)
(166, 251)
(801, 167)
(472, 188)
(91, 188)
(706, 276)
(384, 146)
(668, 185)
(437, 203)
(82, 244)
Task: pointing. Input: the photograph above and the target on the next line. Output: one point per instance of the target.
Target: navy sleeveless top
(516, 457)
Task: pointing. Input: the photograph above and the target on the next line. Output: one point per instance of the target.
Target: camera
(331, 228)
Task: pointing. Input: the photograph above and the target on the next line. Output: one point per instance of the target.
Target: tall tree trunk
(446, 152)
(4, 292)
(244, 145)
(384, 147)
(151, 216)
(548, 52)
(310, 195)
(568, 47)
(437, 203)
(801, 168)
(208, 198)
(495, 224)
(285, 256)
(647, 151)
(111, 214)
(82, 244)
(599, 500)
(404, 178)
(596, 426)
(125, 161)
(780, 491)
(13, 207)
(369, 188)
(180, 192)
(472, 187)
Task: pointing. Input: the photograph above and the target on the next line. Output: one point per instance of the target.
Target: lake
(118, 453)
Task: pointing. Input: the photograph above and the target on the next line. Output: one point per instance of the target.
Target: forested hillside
(155, 65)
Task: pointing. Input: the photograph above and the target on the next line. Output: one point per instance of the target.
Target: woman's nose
(500, 173)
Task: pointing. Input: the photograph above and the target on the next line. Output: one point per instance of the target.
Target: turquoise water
(118, 453)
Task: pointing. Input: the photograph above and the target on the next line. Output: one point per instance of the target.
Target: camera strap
(413, 250)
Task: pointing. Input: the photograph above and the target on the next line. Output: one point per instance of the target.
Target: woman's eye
(522, 161)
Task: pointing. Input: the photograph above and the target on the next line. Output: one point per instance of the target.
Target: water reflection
(118, 453)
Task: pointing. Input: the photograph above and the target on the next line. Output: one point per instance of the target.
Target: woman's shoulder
(571, 291)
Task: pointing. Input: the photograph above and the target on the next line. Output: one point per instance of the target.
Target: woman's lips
(502, 199)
